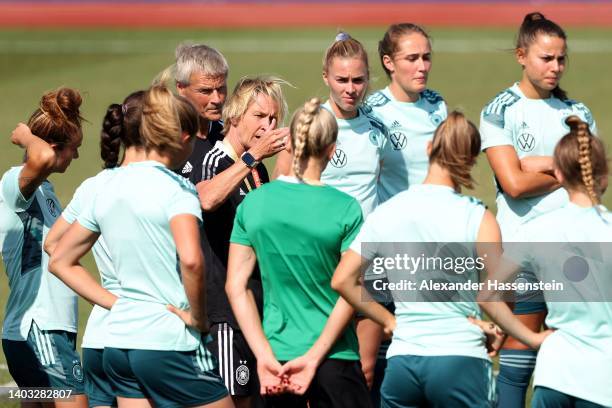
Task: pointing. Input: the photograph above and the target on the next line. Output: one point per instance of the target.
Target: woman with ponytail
(438, 355)
(297, 229)
(40, 323)
(154, 349)
(574, 364)
(520, 128)
(120, 127)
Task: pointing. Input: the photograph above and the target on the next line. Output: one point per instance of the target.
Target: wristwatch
(248, 159)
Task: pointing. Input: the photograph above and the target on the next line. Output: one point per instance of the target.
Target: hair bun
(62, 104)
(342, 36)
(535, 16)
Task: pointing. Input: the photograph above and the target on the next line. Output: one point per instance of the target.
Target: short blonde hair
(246, 92)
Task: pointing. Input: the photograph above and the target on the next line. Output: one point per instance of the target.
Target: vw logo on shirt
(339, 159)
(398, 140)
(526, 142)
(51, 206)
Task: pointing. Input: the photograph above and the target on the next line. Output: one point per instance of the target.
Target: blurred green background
(470, 67)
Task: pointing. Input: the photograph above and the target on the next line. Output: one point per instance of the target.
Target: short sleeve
(11, 194)
(443, 110)
(493, 131)
(87, 217)
(75, 206)
(352, 223)
(239, 232)
(184, 202)
(367, 234)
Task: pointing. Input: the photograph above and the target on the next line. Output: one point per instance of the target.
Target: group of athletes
(220, 288)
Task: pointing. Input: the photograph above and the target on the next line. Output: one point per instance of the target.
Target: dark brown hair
(533, 25)
(121, 126)
(389, 44)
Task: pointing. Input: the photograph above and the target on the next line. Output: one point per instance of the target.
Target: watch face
(249, 160)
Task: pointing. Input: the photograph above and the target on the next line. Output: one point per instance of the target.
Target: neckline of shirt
(387, 92)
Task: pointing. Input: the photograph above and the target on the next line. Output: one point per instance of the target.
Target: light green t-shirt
(298, 232)
(35, 293)
(132, 211)
(355, 165)
(533, 127)
(411, 126)
(95, 330)
(577, 358)
(434, 214)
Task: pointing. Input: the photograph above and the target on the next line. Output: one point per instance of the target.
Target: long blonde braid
(300, 132)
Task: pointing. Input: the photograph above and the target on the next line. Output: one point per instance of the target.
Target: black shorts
(237, 364)
(336, 384)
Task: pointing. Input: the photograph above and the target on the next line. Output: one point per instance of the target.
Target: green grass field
(470, 67)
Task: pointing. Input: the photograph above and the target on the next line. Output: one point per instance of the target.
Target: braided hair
(581, 159)
(313, 129)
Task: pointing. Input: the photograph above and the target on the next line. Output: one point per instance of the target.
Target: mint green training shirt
(132, 211)
(35, 294)
(298, 232)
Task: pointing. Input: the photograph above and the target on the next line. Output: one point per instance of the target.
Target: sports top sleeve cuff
(492, 135)
(11, 193)
(185, 203)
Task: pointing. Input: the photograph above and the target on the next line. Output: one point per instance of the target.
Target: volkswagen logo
(526, 142)
(398, 140)
(339, 159)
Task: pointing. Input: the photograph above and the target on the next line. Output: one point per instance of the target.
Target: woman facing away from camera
(438, 354)
(148, 217)
(408, 109)
(355, 164)
(120, 128)
(306, 326)
(574, 363)
(40, 323)
(520, 128)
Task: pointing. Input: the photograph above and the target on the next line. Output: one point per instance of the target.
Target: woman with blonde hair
(305, 322)
(148, 216)
(40, 323)
(437, 356)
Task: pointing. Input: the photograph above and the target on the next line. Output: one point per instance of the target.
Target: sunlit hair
(121, 126)
(58, 118)
(389, 45)
(246, 92)
(535, 24)
(455, 146)
(161, 120)
(198, 58)
(581, 159)
(313, 129)
(344, 46)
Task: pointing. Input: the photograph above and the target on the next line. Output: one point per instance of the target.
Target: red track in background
(129, 15)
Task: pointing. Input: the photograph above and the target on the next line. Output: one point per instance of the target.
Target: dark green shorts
(168, 378)
(48, 358)
(97, 385)
(548, 398)
(437, 381)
